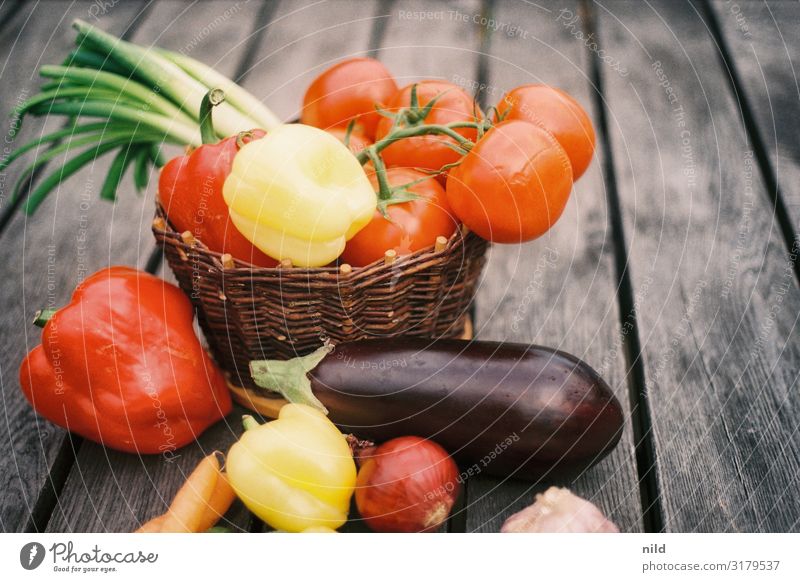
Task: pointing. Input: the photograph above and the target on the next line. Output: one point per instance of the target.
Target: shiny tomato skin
(513, 185)
(557, 112)
(414, 225)
(428, 152)
(348, 90)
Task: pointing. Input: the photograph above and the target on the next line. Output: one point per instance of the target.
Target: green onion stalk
(139, 99)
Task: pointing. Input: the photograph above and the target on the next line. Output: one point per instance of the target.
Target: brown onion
(407, 484)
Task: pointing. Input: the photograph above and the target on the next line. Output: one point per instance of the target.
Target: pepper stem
(43, 316)
(289, 378)
(213, 98)
(249, 422)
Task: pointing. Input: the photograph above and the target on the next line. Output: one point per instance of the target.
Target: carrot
(199, 503)
(219, 502)
(152, 526)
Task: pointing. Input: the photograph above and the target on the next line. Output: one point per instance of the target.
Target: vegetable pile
(372, 169)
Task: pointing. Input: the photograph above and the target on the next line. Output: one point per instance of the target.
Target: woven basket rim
(162, 224)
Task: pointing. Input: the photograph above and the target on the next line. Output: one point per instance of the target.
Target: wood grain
(719, 301)
(559, 290)
(763, 40)
(115, 492)
(302, 40)
(43, 255)
(716, 298)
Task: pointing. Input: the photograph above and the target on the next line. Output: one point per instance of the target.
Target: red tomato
(348, 90)
(428, 152)
(558, 113)
(414, 225)
(513, 185)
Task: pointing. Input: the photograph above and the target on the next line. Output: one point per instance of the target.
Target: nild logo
(31, 555)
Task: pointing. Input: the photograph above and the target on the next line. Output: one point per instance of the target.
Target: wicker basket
(250, 313)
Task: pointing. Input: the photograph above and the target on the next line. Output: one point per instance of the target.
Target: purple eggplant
(501, 409)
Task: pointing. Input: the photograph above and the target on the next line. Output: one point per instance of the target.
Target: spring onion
(141, 98)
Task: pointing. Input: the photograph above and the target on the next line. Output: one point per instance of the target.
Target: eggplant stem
(289, 378)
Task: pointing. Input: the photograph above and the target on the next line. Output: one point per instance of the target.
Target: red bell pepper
(121, 365)
(190, 190)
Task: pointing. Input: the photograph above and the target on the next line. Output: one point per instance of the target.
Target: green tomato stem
(384, 188)
(415, 131)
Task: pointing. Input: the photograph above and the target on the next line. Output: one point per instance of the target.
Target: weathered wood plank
(425, 41)
(719, 301)
(302, 40)
(43, 255)
(763, 40)
(559, 290)
(115, 492)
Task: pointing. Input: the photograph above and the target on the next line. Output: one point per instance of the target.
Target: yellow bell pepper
(296, 472)
(298, 193)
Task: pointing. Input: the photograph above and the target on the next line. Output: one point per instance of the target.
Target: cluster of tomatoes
(506, 175)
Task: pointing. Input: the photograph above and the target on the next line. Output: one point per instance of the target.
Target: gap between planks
(649, 489)
(47, 499)
(772, 190)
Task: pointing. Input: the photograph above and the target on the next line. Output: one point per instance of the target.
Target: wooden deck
(673, 271)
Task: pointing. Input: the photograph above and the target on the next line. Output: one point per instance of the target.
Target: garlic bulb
(559, 511)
